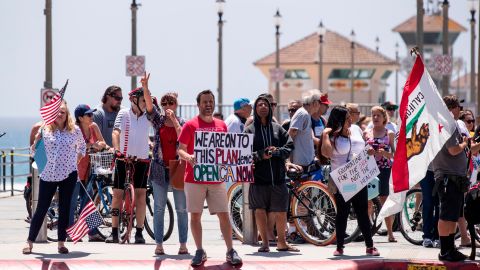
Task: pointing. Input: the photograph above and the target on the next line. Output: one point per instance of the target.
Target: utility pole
(445, 78)
(420, 13)
(277, 20)
(396, 73)
(220, 4)
(48, 45)
(472, 54)
(134, 8)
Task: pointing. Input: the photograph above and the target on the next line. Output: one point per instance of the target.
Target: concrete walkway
(87, 255)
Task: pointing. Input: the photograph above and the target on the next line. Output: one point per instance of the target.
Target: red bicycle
(127, 210)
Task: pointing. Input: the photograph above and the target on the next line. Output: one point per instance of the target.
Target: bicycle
(100, 185)
(311, 207)
(168, 217)
(127, 214)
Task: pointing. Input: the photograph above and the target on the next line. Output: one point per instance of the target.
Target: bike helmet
(136, 94)
(294, 174)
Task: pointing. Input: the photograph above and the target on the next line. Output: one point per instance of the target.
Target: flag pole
(90, 198)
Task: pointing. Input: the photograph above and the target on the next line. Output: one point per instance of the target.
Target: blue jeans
(160, 191)
(430, 207)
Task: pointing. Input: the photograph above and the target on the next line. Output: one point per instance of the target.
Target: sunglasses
(292, 110)
(470, 121)
(171, 103)
(117, 98)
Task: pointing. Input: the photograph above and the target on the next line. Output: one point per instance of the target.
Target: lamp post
(396, 73)
(134, 7)
(321, 31)
(352, 76)
(377, 44)
(220, 5)
(473, 8)
(48, 44)
(445, 78)
(277, 19)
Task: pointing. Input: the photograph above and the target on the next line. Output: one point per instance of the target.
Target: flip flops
(289, 249)
(183, 251)
(263, 249)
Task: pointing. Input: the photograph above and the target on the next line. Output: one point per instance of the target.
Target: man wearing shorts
(130, 139)
(449, 167)
(197, 192)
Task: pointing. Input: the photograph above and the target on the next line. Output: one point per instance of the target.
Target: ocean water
(17, 136)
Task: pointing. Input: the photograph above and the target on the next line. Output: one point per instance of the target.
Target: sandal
(159, 251)
(62, 250)
(183, 251)
(27, 250)
(289, 249)
(263, 249)
(392, 240)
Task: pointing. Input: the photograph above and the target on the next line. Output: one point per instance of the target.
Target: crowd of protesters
(306, 137)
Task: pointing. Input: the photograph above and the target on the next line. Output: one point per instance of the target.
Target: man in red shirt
(197, 192)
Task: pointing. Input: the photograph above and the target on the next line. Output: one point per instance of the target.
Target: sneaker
(112, 239)
(96, 238)
(436, 243)
(139, 239)
(372, 252)
(452, 256)
(233, 258)
(200, 257)
(428, 243)
(338, 252)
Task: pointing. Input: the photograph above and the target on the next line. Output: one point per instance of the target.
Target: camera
(269, 152)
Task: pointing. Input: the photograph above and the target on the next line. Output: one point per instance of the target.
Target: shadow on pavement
(274, 254)
(71, 255)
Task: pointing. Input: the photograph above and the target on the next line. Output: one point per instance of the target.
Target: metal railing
(10, 158)
(188, 111)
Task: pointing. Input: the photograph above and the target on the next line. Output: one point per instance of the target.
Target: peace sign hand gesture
(144, 81)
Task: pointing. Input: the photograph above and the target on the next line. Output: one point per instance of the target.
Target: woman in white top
(341, 145)
(64, 146)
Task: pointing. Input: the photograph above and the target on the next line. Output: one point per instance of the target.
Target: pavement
(85, 255)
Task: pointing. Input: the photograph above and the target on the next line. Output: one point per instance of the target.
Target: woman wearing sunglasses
(469, 120)
(167, 126)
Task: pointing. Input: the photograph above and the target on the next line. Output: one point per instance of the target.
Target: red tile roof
(336, 50)
(462, 82)
(431, 23)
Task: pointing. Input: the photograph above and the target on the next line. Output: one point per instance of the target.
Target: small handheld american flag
(49, 112)
(89, 219)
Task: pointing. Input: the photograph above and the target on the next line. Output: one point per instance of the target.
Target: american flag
(49, 112)
(89, 219)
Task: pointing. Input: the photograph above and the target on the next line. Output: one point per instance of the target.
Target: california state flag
(425, 126)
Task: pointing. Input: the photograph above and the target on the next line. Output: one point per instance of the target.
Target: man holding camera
(451, 182)
(269, 193)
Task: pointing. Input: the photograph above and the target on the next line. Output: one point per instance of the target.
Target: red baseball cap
(324, 99)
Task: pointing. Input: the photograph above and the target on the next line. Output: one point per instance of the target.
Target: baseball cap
(240, 103)
(388, 105)
(83, 109)
(324, 99)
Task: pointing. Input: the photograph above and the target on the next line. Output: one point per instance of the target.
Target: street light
(277, 20)
(220, 6)
(377, 44)
(445, 47)
(472, 5)
(352, 45)
(321, 31)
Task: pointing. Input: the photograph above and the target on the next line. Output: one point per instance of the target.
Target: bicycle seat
(294, 174)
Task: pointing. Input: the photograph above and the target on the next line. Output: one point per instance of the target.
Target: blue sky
(178, 38)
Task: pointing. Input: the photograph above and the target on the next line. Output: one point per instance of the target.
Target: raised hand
(144, 81)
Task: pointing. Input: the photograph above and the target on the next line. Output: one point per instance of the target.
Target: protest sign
(223, 157)
(351, 177)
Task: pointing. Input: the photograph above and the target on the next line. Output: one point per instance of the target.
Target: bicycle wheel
(127, 214)
(235, 207)
(411, 219)
(352, 221)
(168, 218)
(313, 212)
(103, 202)
(52, 221)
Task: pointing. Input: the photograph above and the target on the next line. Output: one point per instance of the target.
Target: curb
(47, 264)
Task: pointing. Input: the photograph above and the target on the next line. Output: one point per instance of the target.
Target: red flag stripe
(400, 172)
